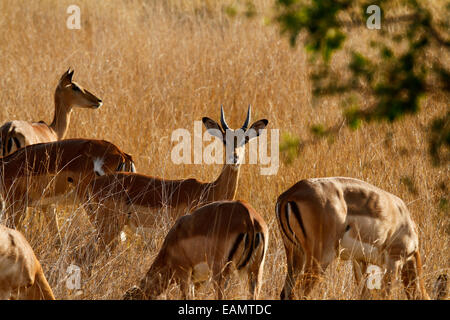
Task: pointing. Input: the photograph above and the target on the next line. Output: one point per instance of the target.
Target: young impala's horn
(222, 119)
(247, 121)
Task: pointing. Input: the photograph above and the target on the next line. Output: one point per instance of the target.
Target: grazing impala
(16, 134)
(138, 200)
(21, 275)
(325, 218)
(210, 243)
(43, 173)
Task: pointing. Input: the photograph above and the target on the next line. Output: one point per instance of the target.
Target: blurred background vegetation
(392, 81)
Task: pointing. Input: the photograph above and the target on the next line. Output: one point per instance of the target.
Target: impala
(21, 275)
(211, 243)
(138, 200)
(44, 173)
(16, 134)
(324, 218)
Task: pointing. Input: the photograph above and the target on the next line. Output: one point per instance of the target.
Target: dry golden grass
(159, 66)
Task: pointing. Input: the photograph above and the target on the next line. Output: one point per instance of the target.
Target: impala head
(234, 140)
(73, 95)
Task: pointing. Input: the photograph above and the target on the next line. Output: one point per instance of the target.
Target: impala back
(48, 172)
(220, 232)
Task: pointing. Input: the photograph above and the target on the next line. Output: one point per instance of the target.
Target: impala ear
(213, 128)
(259, 125)
(255, 129)
(70, 75)
(66, 78)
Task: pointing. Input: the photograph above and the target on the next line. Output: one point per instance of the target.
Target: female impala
(369, 225)
(139, 200)
(43, 173)
(213, 241)
(16, 134)
(21, 275)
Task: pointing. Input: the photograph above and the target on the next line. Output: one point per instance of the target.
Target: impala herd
(213, 235)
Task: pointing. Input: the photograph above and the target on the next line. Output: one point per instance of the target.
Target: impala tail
(247, 248)
(127, 165)
(10, 140)
(291, 223)
(248, 253)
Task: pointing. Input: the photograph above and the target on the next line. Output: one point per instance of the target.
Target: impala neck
(225, 186)
(61, 118)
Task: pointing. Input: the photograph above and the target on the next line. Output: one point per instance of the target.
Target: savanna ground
(161, 65)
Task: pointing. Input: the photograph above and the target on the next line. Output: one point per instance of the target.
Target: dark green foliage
(318, 19)
(409, 183)
(440, 139)
(395, 82)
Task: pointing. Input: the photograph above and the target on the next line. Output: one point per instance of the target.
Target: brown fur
(38, 173)
(223, 236)
(68, 94)
(21, 275)
(141, 201)
(318, 216)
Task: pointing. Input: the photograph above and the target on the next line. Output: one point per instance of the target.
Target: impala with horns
(21, 275)
(17, 134)
(141, 201)
(45, 173)
(321, 219)
(210, 244)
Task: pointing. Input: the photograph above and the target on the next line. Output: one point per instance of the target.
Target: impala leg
(295, 263)
(107, 240)
(256, 271)
(409, 279)
(253, 285)
(255, 276)
(108, 223)
(419, 276)
(197, 286)
(412, 278)
(157, 279)
(311, 275)
(186, 286)
(40, 290)
(391, 276)
(51, 218)
(219, 282)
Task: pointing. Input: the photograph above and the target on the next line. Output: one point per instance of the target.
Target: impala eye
(75, 88)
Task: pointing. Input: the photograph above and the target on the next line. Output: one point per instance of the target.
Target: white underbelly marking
(355, 249)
